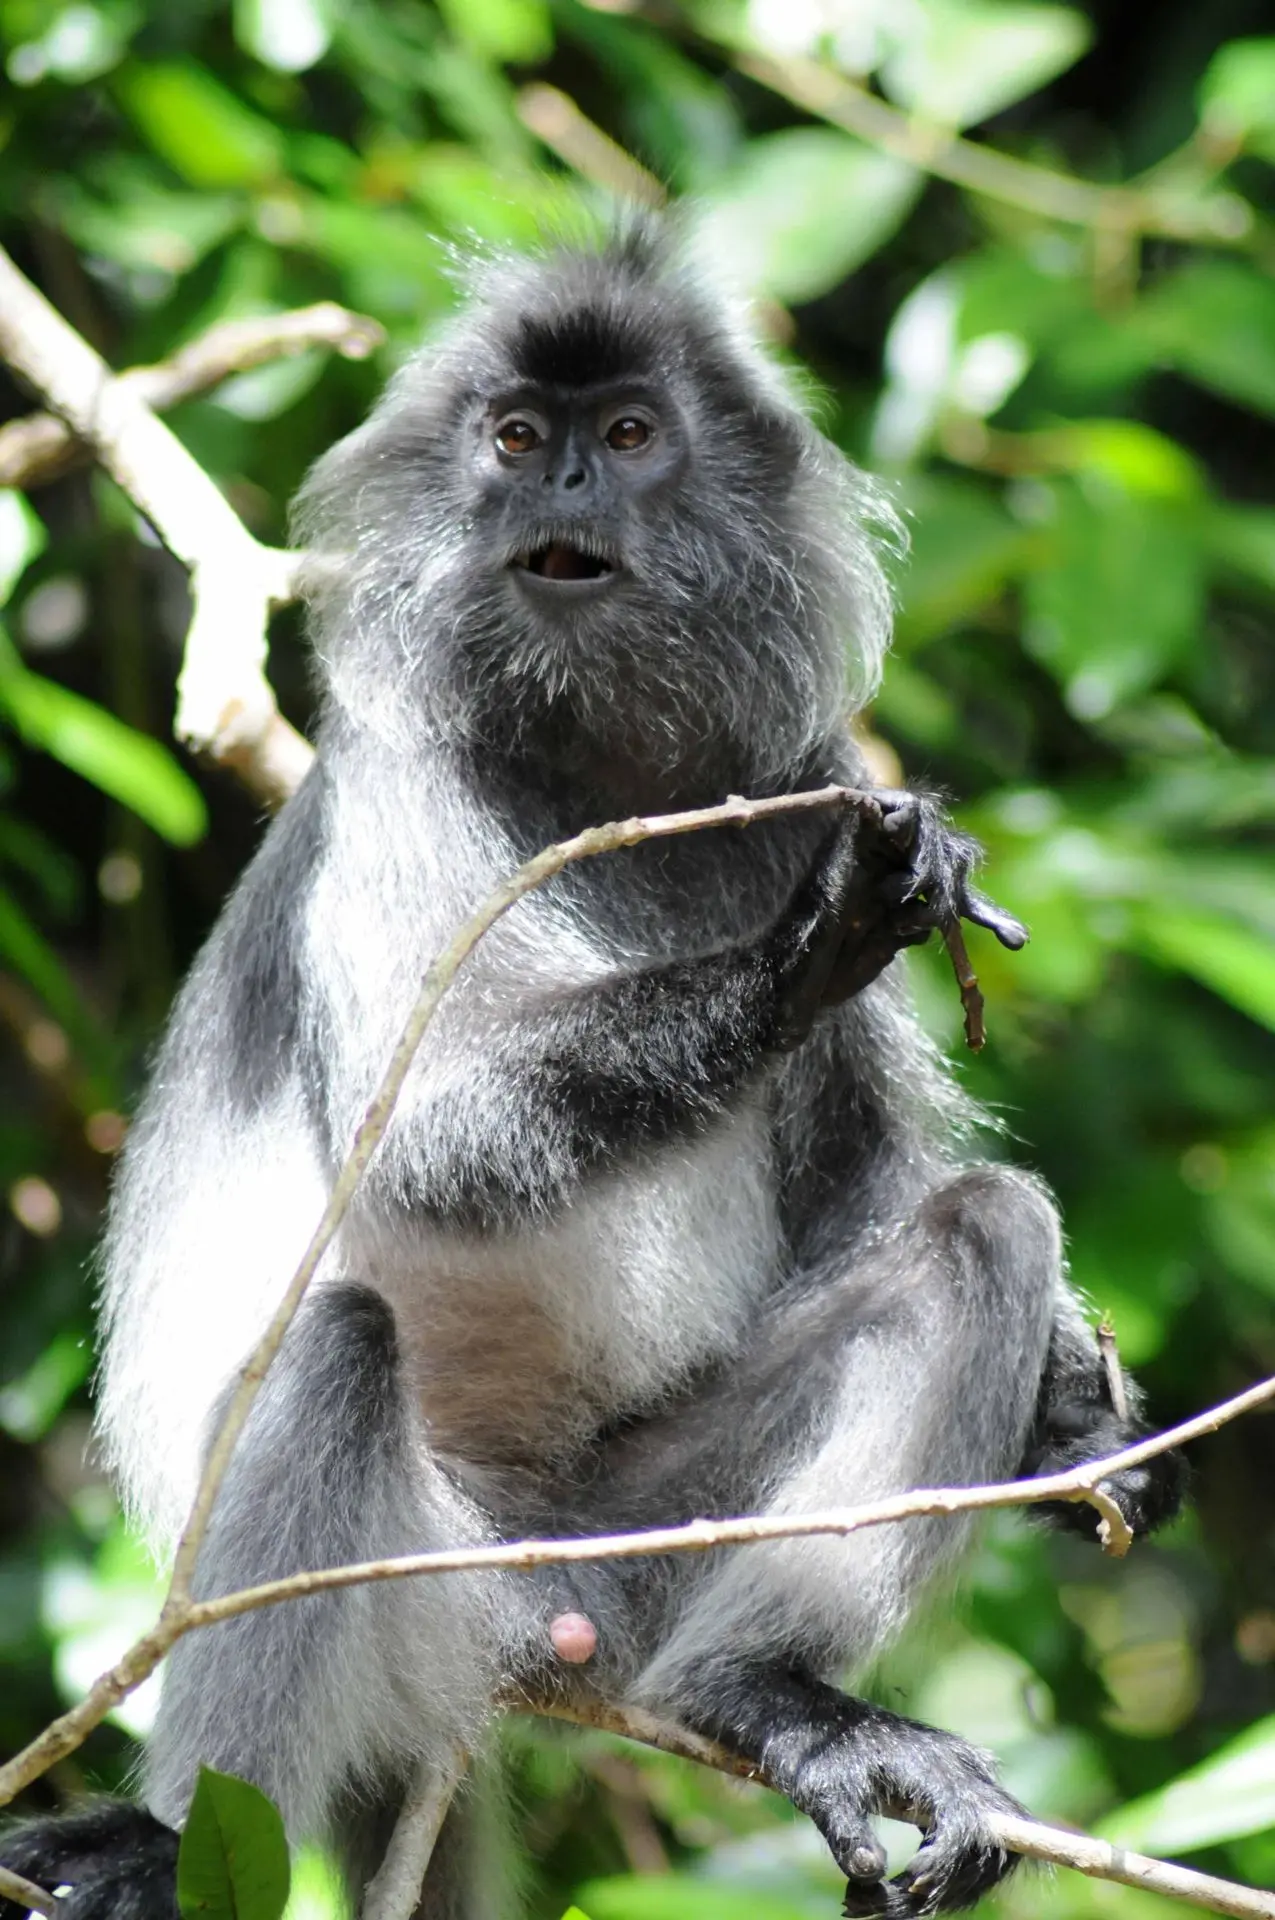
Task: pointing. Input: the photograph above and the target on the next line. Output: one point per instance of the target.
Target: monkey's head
(592, 509)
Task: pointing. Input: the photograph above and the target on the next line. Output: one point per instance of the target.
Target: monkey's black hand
(901, 1769)
(885, 878)
(118, 1860)
(1077, 1432)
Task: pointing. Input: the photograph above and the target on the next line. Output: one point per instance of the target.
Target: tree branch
(226, 707)
(703, 1536)
(394, 1891)
(1033, 1839)
(42, 448)
(26, 1893)
(1222, 220)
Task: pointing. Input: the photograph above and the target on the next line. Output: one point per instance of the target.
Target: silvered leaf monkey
(678, 1214)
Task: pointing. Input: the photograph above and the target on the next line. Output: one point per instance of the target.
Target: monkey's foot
(1148, 1496)
(898, 1768)
(118, 1860)
(890, 873)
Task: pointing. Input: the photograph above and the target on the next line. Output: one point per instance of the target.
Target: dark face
(567, 478)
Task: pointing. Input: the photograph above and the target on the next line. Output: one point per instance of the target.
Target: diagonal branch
(1223, 219)
(1033, 1839)
(42, 447)
(225, 703)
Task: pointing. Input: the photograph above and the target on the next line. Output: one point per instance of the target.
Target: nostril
(574, 479)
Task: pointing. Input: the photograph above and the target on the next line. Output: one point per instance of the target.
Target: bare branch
(394, 1891)
(42, 448)
(1223, 219)
(225, 704)
(26, 1893)
(1016, 1833)
(703, 1536)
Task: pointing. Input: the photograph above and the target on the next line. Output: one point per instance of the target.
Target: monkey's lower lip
(562, 564)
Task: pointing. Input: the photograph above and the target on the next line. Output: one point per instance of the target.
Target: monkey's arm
(588, 1078)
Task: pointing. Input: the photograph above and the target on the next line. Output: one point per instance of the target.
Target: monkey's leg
(327, 1703)
(1077, 1420)
(921, 1367)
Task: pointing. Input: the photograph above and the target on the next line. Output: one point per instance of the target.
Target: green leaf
(204, 132)
(22, 538)
(964, 549)
(1215, 320)
(518, 31)
(24, 948)
(1242, 540)
(575, 1913)
(1120, 598)
(682, 1896)
(960, 61)
(1230, 1794)
(233, 1859)
(1237, 94)
(131, 767)
(803, 208)
(1229, 959)
(1132, 456)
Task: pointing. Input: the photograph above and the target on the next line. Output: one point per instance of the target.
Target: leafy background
(1078, 426)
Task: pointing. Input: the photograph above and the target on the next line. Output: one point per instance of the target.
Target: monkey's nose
(568, 481)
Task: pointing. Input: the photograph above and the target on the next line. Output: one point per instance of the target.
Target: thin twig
(1077, 1484)
(225, 703)
(27, 1894)
(967, 980)
(1111, 1367)
(1034, 1839)
(42, 447)
(560, 124)
(1222, 220)
(394, 1891)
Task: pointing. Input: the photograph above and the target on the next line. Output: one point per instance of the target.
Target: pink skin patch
(575, 1638)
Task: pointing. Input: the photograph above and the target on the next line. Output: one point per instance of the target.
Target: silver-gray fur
(631, 1250)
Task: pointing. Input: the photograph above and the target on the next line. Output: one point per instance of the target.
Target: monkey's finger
(862, 1858)
(983, 912)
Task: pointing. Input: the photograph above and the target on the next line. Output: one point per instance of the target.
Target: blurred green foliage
(1075, 414)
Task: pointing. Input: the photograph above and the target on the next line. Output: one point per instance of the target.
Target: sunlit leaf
(128, 765)
(803, 209)
(1230, 959)
(204, 132)
(960, 61)
(1231, 1793)
(22, 537)
(519, 31)
(675, 1896)
(233, 1861)
(1132, 455)
(1237, 94)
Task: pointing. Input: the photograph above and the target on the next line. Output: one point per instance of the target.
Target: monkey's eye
(627, 434)
(517, 436)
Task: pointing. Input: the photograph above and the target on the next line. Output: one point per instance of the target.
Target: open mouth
(562, 562)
